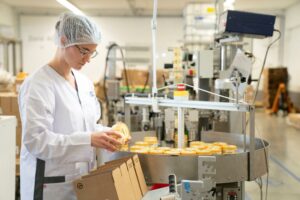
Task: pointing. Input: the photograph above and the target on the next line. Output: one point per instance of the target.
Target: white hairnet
(76, 30)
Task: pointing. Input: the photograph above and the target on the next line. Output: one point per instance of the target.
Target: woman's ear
(63, 40)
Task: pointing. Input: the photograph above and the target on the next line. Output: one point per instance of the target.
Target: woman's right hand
(106, 140)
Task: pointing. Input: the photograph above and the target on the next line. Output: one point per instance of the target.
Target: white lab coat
(57, 124)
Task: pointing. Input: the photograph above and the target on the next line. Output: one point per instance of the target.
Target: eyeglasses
(84, 52)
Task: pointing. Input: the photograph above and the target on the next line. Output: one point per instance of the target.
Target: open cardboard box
(121, 179)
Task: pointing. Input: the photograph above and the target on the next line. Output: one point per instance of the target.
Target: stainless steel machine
(217, 177)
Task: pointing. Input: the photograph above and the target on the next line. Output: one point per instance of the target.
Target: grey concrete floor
(284, 159)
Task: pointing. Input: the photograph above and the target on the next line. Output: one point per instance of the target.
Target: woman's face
(78, 55)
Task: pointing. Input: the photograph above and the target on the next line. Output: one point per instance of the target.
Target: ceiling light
(70, 6)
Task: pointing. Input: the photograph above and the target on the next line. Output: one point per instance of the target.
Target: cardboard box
(116, 180)
(5, 103)
(139, 77)
(106, 185)
(132, 175)
(138, 171)
(140, 174)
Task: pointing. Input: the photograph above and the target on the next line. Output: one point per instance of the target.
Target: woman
(59, 111)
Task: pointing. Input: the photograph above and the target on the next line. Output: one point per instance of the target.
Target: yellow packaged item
(229, 149)
(135, 147)
(188, 152)
(164, 148)
(150, 140)
(141, 143)
(122, 128)
(215, 150)
(156, 151)
(204, 152)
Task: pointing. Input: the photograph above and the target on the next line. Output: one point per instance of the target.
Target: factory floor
(284, 159)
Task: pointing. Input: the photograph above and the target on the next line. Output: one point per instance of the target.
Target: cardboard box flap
(127, 182)
(140, 174)
(132, 175)
(102, 169)
(121, 160)
(120, 186)
(134, 180)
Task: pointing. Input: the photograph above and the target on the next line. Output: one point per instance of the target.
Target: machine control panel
(232, 193)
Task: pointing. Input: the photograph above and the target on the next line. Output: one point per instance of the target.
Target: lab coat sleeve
(38, 109)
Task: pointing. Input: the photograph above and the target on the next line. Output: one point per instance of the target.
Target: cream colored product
(221, 144)
(135, 147)
(196, 143)
(124, 147)
(156, 151)
(144, 151)
(215, 150)
(188, 152)
(151, 140)
(177, 153)
(200, 146)
(189, 149)
(174, 151)
(204, 152)
(124, 131)
(142, 143)
(229, 149)
(163, 148)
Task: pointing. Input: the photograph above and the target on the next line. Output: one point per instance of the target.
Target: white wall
(292, 46)
(8, 20)
(259, 49)
(38, 46)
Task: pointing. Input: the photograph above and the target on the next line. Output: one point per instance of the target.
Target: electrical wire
(260, 185)
(215, 94)
(264, 62)
(266, 160)
(254, 99)
(146, 83)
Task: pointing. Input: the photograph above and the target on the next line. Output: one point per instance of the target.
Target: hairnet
(76, 30)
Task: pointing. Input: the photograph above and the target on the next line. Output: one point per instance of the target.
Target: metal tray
(229, 168)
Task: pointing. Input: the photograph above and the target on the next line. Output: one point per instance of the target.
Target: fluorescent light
(70, 6)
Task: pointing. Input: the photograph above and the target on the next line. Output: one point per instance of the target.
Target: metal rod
(154, 87)
(244, 131)
(127, 115)
(252, 142)
(223, 57)
(205, 105)
(180, 137)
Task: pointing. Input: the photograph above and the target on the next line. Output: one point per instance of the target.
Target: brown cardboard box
(6, 103)
(110, 184)
(139, 77)
(138, 171)
(132, 175)
(15, 108)
(112, 181)
(107, 184)
(140, 174)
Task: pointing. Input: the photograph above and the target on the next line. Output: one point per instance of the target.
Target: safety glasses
(84, 52)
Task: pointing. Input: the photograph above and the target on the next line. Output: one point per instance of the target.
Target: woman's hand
(106, 140)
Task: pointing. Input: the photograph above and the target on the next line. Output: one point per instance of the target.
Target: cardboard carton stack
(139, 77)
(272, 78)
(121, 179)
